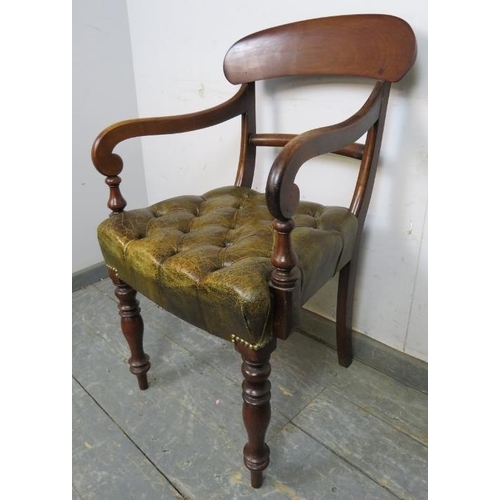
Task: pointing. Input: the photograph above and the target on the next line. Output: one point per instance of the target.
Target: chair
(237, 263)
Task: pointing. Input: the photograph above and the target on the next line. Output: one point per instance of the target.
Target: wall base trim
(89, 275)
(398, 365)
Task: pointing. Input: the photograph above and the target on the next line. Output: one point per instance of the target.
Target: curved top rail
(375, 46)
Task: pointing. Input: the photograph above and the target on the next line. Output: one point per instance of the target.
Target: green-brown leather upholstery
(206, 259)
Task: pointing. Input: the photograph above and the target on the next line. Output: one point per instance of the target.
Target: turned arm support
(283, 195)
(110, 164)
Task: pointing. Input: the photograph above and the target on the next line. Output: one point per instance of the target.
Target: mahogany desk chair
(237, 263)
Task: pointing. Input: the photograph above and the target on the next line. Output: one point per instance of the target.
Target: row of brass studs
(254, 347)
(113, 269)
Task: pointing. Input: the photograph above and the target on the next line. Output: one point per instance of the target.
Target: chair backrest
(375, 46)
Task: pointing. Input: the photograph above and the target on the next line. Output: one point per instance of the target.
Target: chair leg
(345, 299)
(132, 328)
(256, 407)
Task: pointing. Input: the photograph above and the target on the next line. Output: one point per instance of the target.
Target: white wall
(178, 50)
(103, 92)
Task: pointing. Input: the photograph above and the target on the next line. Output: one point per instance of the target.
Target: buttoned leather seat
(237, 263)
(206, 258)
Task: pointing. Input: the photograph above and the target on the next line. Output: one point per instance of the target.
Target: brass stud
(254, 347)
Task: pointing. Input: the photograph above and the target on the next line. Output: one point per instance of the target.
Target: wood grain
(367, 45)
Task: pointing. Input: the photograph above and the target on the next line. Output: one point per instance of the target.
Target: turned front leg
(132, 328)
(256, 407)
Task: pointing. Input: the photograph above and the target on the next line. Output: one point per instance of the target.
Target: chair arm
(282, 195)
(110, 164)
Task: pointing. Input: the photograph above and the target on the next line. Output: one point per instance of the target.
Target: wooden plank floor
(335, 433)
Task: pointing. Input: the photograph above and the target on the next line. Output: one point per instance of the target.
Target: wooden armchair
(237, 263)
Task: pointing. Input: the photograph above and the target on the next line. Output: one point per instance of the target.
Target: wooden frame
(378, 47)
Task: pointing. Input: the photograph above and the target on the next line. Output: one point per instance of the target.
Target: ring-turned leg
(132, 328)
(256, 407)
(345, 299)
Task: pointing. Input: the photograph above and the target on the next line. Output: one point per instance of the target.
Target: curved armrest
(282, 195)
(110, 164)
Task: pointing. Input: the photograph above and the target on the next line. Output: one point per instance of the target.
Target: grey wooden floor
(335, 433)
